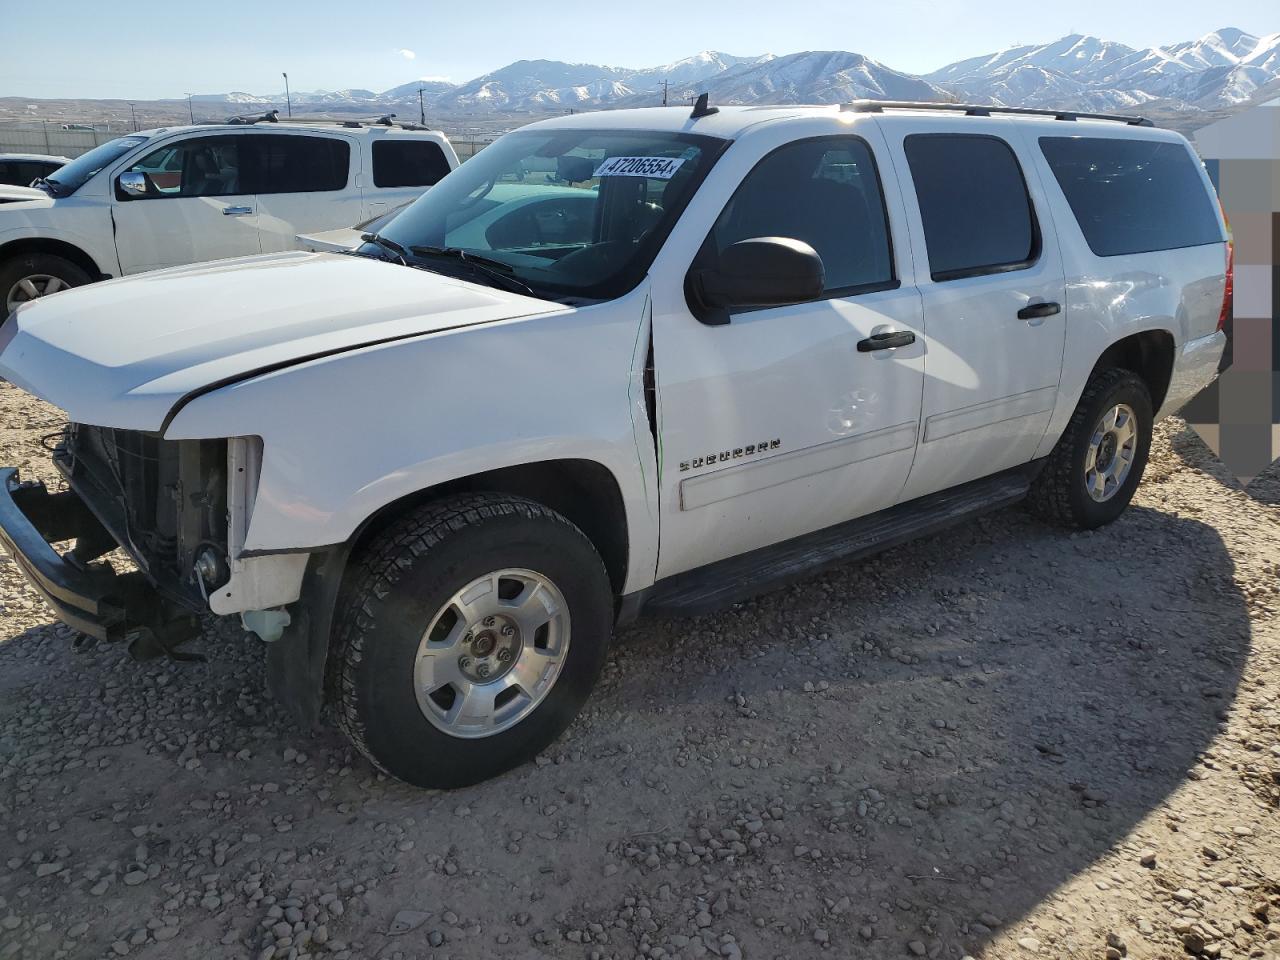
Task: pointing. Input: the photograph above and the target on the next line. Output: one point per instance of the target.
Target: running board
(715, 586)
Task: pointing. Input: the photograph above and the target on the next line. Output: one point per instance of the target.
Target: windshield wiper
(399, 252)
(496, 270)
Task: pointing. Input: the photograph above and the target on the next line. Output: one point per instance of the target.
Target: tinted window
(200, 167)
(21, 172)
(408, 163)
(825, 192)
(296, 164)
(974, 204)
(1133, 196)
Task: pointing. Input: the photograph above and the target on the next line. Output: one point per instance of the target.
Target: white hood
(122, 353)
(11, 194)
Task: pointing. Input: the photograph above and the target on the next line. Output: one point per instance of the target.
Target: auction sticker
(659, 168)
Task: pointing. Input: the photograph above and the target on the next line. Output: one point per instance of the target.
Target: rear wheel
(30, 276)
(1097, 463)
(472, 635)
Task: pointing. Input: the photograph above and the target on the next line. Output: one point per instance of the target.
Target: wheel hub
(31, 287)
(492, 653)
(1110, 453)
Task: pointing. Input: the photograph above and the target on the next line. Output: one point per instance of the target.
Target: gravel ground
(1002, 742)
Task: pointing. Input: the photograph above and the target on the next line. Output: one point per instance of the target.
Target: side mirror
(760, 272)
(131, 185)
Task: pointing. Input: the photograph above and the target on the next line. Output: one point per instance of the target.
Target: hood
(124, 352)
(12, 194)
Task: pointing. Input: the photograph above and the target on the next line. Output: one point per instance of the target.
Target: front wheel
(473, 633)
(1097, 463)
(29, 276)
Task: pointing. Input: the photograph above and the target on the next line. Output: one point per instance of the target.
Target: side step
(717, 585)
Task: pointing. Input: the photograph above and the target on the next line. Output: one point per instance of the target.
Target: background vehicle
(169, 197)
(434, 475)
(20, 169)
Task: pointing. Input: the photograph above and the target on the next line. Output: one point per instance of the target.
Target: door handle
(1038, 311)
(236, 211)
(886, 341)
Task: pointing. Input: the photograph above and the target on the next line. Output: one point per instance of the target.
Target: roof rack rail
(271, 116)
(386, 120)
(986, 110)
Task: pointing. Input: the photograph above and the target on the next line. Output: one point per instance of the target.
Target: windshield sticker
(659, 168)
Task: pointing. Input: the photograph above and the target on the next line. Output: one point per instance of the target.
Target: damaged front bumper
(93, 599)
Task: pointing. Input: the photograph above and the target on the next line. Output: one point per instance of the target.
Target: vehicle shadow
(920, 747)
(970, 721)
(1195, 453)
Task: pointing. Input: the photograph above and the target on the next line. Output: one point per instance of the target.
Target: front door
(196, 207)
(992, 283)
(778, 422)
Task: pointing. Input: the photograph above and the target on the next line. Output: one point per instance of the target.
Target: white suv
(163, 198)
(636, 360)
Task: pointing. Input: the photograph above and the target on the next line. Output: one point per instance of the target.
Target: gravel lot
(1002, 742)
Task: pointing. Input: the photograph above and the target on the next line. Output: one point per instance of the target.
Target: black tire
(404, 577)
(1059, 494)
(13, 270)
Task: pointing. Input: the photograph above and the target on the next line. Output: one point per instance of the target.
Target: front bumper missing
(94, 599)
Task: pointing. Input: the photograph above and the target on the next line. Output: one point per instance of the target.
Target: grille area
(163, 500)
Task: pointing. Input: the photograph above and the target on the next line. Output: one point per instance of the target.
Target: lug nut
(464, 663)
(508, 630)
(467, 637)
(483, 670)
(489, 621)
(504, 655)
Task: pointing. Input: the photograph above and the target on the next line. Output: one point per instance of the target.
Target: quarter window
(826, 192)
(974, 204)
(1133, 196)
(408, 163)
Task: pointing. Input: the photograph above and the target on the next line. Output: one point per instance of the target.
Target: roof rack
(986, 110)
(386, 120)
(271, 116)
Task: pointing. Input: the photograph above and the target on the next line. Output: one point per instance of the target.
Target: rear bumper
(93, 601)
(1194, 368)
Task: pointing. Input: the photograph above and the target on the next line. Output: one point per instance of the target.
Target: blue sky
(87, 48)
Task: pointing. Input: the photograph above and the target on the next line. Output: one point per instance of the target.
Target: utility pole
(135, 114)
(191, 109)
(664, 93)
(288, 101)
(422, 113)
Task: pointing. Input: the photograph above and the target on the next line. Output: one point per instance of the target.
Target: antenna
(700, 108)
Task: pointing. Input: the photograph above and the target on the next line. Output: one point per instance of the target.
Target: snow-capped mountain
(1221, 69)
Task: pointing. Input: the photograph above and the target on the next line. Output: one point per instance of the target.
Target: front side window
(825, 192)
(290, 163)
(974, 204)
(199, 167)
(408, 163)
(70, 177)
(574, 215)
(1133, 196)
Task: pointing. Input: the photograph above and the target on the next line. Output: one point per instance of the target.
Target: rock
(917, 947)
(1147, 857)
(135, 877)
(435, 938)
(1030, 944)
(1192, 942)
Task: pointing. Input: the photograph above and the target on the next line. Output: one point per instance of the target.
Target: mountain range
(1221, 69)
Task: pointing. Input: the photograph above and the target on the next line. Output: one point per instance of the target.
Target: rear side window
(826, 192)
(408, 163)
(974, 204)
(1133, 196)
(296, 164)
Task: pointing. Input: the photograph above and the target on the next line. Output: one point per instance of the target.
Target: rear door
(992, 284)
(198, 206)
(305, 183)
(403, 169)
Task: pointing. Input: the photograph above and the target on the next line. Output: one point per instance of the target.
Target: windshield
(571, 215)
(70, 177)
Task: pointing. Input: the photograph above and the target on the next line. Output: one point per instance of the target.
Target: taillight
(1227, 291)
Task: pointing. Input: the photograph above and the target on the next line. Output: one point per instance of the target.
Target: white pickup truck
(168, 197)
(645, 360)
